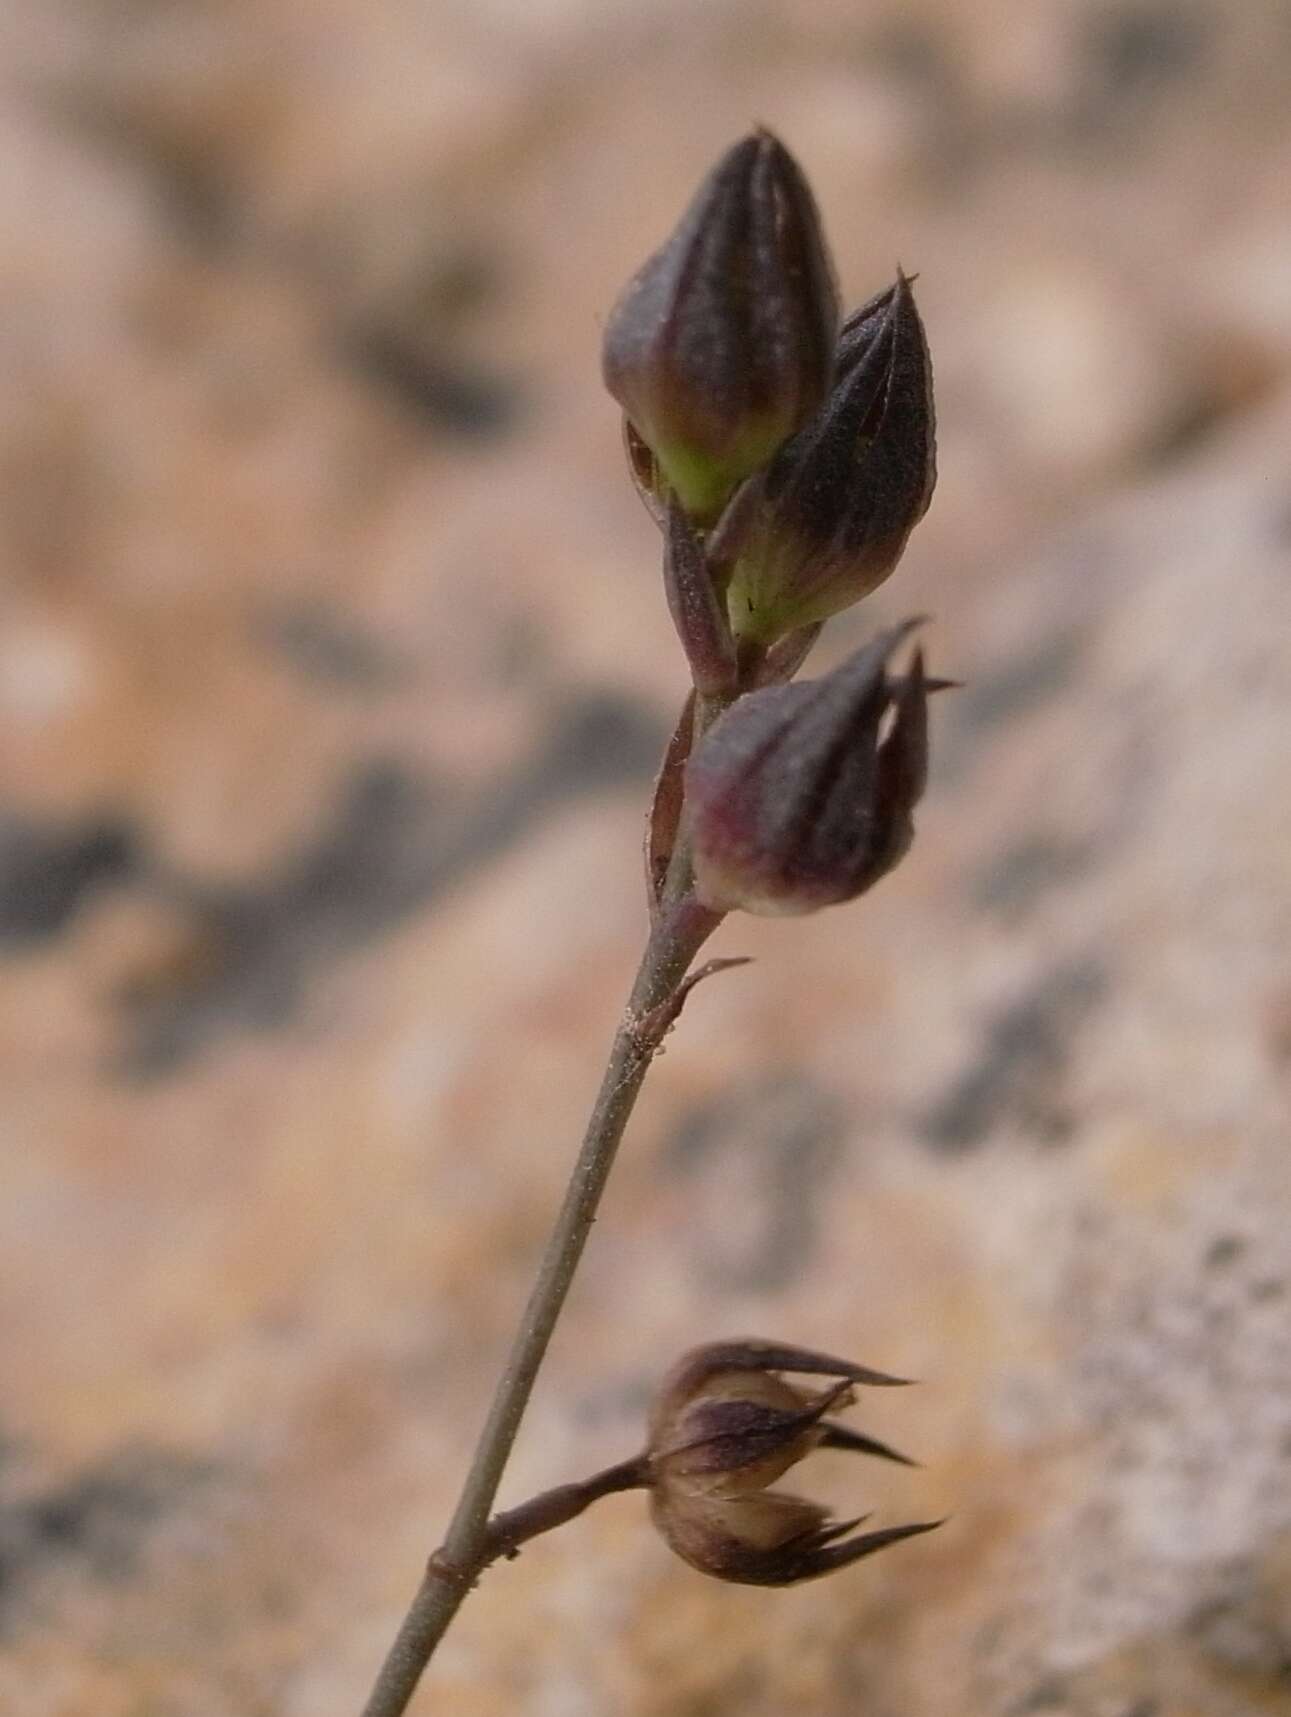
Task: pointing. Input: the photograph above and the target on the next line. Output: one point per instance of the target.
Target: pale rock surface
(333, 668)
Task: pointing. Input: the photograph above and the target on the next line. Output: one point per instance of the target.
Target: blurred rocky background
(333, 671)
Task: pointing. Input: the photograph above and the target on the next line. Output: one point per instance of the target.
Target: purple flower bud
(835, 507)
(725, 1426)
(722, 345)
(802, 796)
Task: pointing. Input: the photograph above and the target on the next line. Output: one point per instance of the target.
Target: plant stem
(680, 930)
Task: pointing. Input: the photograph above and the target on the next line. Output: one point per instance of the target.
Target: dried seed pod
(801, 796)
(726, 1425)
(722, 345)
(836, 506)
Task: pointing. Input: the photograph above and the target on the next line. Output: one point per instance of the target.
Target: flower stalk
(785, 461)
(677, 936)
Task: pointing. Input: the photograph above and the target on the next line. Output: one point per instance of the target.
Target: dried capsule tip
(802, 796)
(726, 1425)
(840, 499)
(722, 344)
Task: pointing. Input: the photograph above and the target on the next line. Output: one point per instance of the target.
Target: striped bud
(722, 345)
(802, 795)
(835, 508)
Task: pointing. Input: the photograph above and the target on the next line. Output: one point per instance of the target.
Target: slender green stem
(680, 930)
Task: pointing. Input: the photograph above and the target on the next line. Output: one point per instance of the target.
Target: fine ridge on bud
(802, 796)
(835, 508)
(726, 1425)
(722, 344)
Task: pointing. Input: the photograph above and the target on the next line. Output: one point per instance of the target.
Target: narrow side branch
(551, 1508)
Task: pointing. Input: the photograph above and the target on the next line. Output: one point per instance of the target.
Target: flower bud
(722, 345)
(724, 1427)
(837, 504)
(802, 795)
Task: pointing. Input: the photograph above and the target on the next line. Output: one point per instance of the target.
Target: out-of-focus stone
(1081, 371)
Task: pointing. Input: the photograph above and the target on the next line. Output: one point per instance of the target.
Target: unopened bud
(835, 507)
(802, 795)
(726, 1425)
(722, 345)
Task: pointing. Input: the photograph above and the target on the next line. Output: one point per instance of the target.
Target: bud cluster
(786, 459)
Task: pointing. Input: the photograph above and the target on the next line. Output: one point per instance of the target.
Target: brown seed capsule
(722, 345)
(836, 506)
(724, 1427)
(801, 796)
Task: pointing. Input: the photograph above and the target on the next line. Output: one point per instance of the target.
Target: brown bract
(726, 1425)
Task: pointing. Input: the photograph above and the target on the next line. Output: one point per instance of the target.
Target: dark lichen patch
(1141, 47)
(1048, 1695)
(1227, 1253)
(48, 872)
(1029, 678)
(594, 741)
(424, 346)
(435, 388)
(1246, 1627)
(1204, 413)
(1015, 878)
(1004, 695)
(1224, 1249)
(395, 845)
(332, 652)
(197, 201)
(768, 1151)
(1133, 59)
(96, 1525)
(1015, 1079)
